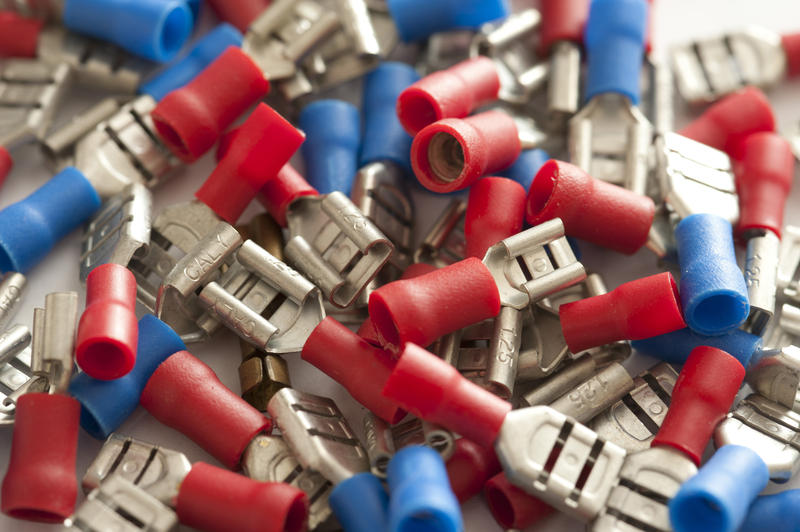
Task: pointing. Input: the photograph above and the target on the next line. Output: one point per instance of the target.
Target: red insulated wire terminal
(470, 467)
(40, 482)
(216, 500)
(495, 211)
(257, 152)
(562, 20)
(6, 163)
(191, 119)
(591, 209)
(453, 153)
(277, 194)
(763, 180)
(451, 93)
(108, 329)
(185, 394)
(703, 395)
(422, 309)
(729, 121)
(511, 506)
(354, 363)
(635, 310)
(19, 36)
(435, 391)
(367, 329)
(239, 13)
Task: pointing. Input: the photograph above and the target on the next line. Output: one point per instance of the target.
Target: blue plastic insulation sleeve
(718, 496)
(614, 39)
(360, 503)
(105, 405)
(384, 138)
(420, 492)
(153, 29)
(333, 139)
(204, 51)
(31, 227)
(712, 287)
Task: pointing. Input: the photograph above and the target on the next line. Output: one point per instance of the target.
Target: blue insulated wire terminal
(204, 51)
(153, 29)
(718, 496)
(31, 227)
(676, 346)
(526, 166)
(418, 19)
(384, 136)
(105, 405)
(771, 513)
(333, 138)
(360, 503)
(712, 287)
(420, 494)
(614, 40)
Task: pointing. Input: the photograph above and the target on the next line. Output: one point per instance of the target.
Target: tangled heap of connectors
(484, 355)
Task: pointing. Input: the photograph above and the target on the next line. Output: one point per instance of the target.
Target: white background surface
(675, 21)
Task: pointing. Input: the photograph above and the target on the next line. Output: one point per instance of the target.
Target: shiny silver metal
(633, 421)
(558, 460)
(286, 32)
(510, 44)
(96, 64)
(543, 348)
(126, 149)
(177, 303)
(335, 245)
(174, 232)
(564, 84)
(318, 434)
(12, 286)
(119, 231)
(444, 243)
(379, 191)
(533, 264)
(119, 505)
(610, 139)
(761, 276)
(695, 178)
(769, 429)
(788, 325)
(30, 93)
(658, 95)
(570, 375)
(15, 369)
(445, 49)
(264, 301)
(269, 459)
(501, 371)
(379, 444)
(357, 24)
(708, 69)
(383, 440)
(157, 470)
(53, 346)
(647, 481)
(789, 262)
(59, 144)
(367, 34)
(596, 394)
(496, 37)
(776, 376)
